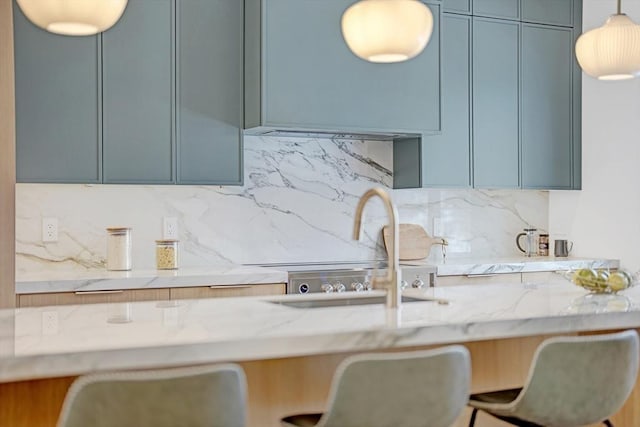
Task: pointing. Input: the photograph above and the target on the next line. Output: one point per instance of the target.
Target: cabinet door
(446, 157)
(505, 9)
(225, 291)
(495, 103)
(547, 95)
(312, 80)
(57, 98)
(138, 95)
(555, 12)
(210, 86)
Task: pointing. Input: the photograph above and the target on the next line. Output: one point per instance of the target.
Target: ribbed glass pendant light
(387, 30)
(611, 52)
(73, 17)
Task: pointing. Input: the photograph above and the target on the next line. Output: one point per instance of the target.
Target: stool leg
(474, 414)
(607, 423)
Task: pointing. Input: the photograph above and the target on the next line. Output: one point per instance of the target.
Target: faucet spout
(392, 279)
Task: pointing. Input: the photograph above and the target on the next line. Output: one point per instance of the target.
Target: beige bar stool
(424, 388)
(204, 396)
(573, 381)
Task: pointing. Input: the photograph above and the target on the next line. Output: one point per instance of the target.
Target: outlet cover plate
(49, 230)
(170, 228)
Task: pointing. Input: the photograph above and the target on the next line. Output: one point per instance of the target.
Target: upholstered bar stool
(573, 381)
(425, 388)
(206, 396)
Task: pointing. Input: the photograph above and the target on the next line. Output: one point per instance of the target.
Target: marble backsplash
(296, 205)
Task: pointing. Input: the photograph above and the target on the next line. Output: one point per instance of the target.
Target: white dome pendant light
(387, 30)
(611, 52)
(73, 17)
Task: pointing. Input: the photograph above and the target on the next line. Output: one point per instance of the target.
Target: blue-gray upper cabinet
(457, 6)
(503, 9)
(210, 91)
(495, 103)
(547, 108)
(446, 157)
(137, 80)
(300, 74)
(57, 97)
(553, 12)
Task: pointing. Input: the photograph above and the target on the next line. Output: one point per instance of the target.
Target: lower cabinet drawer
(544, 277)
(92, 297)
(223, 291)
(477, 279)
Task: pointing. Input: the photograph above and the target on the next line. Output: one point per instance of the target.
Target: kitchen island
(289, 353)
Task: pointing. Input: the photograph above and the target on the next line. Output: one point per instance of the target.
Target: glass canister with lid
(119, 248)
(167, 254)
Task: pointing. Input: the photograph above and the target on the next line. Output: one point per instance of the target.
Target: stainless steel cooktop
(350, 276)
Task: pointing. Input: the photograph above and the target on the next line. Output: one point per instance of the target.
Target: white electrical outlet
(170, 228)
(49, 322)
(437, 226)
(49, 229)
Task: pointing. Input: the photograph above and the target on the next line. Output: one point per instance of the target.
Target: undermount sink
(340, 302)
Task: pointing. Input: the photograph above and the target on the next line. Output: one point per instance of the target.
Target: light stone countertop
(71, 340)
(478, 266)
(240, 275)
(146, 279)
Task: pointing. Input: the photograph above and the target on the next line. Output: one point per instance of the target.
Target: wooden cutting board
(415, 242)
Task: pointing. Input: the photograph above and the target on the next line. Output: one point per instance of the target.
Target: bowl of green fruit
(602, 281)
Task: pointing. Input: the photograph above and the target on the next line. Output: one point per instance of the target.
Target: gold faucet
(392, 280)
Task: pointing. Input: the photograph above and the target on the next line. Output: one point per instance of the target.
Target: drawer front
(548, 277)
(97, 297)
(505, 9)
(225, 291)
(478, 279)
(457, 6)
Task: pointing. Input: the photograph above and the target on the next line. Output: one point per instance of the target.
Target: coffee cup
(562, 248)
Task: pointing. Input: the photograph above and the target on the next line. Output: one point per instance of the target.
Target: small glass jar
(119, 248)
(167, 254)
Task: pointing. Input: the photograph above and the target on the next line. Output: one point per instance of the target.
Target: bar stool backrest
(575, 381)
(205, 396)
(425, 388)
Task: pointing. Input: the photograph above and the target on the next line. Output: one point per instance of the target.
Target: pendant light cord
(619, 7)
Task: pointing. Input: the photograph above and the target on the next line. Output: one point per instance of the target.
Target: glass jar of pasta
(167, 254)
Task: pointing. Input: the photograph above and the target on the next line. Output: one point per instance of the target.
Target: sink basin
(341, 302)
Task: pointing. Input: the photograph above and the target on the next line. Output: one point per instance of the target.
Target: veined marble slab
(71, 340)
(464, 267)
(73, 281)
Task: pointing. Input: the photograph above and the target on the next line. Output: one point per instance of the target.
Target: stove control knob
(367, 285)
(418, 283)
(303, 288)
(357, 286)
(328, 288)
(403, 285)
(339, 287)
